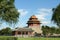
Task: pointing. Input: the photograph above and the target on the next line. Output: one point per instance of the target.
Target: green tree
(48, 30)
(53, 30)
(57, 31)
(8, 12)
(56, 15)
(6, 31)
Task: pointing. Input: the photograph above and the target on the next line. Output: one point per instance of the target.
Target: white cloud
(22, 12)
(45, 22)
(44, 10)
(42, 15)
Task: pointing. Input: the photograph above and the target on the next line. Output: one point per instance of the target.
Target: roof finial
(33, 16)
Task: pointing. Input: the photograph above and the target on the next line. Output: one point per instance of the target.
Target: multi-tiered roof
(33, 20)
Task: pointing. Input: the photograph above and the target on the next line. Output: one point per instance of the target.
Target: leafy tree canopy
(8, 12)
(46, 30)
(56, 15)
(6, 31)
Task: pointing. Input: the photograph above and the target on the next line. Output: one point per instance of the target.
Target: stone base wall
(23, 35)
(36, 29)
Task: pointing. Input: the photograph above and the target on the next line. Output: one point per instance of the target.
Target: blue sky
(41, 8)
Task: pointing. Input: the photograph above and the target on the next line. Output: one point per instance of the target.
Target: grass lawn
(31, 38)
(38, 38)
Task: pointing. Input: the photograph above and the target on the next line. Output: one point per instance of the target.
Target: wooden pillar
(21, 33)
(16, 32)
(24, 33)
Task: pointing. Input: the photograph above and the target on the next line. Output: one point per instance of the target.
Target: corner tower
(34, 24)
